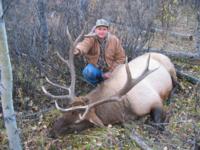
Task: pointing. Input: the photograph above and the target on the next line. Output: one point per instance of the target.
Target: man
(103, 52)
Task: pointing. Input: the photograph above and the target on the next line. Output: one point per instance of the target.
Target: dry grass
(179, 133)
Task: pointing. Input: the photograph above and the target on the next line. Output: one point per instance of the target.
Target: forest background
(37, 29)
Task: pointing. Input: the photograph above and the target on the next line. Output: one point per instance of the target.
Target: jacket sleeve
(119, 55)
(85, 45)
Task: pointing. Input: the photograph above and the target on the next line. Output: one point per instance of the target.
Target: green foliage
(186, 66)
(168, 11)
(100, 139)
(40, 142)
(95, 138)
(3, 139)
(50, 117)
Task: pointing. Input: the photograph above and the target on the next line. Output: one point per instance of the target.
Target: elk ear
(93, 118)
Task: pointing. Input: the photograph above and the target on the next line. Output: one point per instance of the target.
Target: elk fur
(139, 101)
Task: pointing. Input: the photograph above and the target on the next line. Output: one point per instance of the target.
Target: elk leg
(93, 118)
(176, 86)
(157, 116)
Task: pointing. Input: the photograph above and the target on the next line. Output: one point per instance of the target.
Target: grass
(179, 133)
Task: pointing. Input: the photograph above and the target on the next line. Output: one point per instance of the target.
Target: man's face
(101, 31)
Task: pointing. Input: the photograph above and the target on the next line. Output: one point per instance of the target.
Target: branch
(187, 77)
(191, 57)
(180, 35)
(138, 139)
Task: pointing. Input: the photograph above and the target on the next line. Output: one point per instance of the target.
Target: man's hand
(76, 52)
(106, 75)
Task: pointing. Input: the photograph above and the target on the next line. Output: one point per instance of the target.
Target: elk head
(81, 111)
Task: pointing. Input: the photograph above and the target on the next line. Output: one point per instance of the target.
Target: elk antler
(130, 83)
(70, 64)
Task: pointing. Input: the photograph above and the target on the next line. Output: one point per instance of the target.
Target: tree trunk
(6, 88)
(83, 10)
(198, 33)
(43, 24)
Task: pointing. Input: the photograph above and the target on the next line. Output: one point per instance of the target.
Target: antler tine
(70, 91)
(69, 109)
(73, 44)
(145, 73)
(56, 85)
(61, 58)
(80, 36)
(130, 83)
(71, 59)
(69, 37)
(59, 86)
(129, 78)
(88, 107)
(70, 64)
(55, 96)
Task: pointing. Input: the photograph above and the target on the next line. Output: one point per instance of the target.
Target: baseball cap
(102, 22)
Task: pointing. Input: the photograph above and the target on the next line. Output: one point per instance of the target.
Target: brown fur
(139, 101)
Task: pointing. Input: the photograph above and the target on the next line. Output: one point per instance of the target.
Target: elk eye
(74, 113)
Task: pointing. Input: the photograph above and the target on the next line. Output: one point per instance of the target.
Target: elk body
(146, 97)
(135, 89)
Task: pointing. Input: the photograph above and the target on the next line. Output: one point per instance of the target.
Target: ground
(181, 130)
(181, 127)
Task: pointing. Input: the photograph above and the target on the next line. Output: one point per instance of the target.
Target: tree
(41, 7)
(198, 31)
(6, 88)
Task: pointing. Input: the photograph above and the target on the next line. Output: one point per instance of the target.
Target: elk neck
(111, 112)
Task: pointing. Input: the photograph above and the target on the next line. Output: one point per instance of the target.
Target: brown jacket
(114, 53)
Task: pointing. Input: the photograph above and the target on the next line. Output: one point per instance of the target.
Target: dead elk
(135, 89)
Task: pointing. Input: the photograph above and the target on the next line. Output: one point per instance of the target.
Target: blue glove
(92, 74)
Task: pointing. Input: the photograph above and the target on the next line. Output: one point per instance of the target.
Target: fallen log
(183, 36)
(192, 58)
(140, 142)
(137, 138)
(189, 78)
